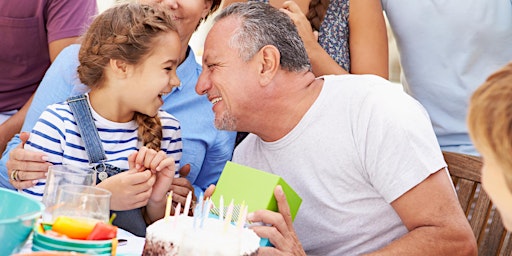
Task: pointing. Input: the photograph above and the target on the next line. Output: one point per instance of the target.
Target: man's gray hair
(262, 24)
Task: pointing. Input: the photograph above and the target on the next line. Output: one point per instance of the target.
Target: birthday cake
(208, 233)
(184, 235)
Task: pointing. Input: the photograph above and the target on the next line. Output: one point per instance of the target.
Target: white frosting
(213, 238)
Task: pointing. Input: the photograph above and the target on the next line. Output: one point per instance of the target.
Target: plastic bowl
(18, 215)
(44, 242)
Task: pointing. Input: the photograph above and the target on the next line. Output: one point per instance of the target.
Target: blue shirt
(205, 148)
(447, 50)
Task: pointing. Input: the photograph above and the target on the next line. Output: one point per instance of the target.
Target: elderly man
(361, 153)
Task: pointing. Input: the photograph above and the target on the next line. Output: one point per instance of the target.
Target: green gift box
(253, 187)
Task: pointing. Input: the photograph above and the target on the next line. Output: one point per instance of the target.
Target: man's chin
(225, 124)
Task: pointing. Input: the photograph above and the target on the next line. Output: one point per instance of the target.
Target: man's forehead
(219, 34)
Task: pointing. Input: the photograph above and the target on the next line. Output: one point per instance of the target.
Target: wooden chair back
(491, 236)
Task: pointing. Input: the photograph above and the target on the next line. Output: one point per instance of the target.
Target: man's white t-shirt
(360, 146)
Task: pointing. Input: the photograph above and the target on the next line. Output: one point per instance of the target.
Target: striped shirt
(56, 134)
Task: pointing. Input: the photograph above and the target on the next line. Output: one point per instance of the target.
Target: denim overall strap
(129, 220)
(88, 131)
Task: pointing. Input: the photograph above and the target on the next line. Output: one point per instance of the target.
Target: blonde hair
(490, 118)
(124, 32)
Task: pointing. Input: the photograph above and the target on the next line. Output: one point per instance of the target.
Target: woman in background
(340, 36)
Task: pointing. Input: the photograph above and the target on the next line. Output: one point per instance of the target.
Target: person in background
(379, 187)
(340, 38)
(489, 122)
(128, 59)
(447, 49)
(205, 149)
(33, 34)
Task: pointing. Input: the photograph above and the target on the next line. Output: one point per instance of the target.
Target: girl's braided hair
(124, 32)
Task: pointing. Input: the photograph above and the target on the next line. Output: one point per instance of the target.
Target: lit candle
(168, 205)
(187, 203)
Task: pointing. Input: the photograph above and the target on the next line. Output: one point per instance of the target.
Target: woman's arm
(368, 38)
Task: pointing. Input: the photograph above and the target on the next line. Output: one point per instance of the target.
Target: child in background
(490, 128)
(128, 58)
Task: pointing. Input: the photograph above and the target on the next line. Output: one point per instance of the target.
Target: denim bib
(130, 220)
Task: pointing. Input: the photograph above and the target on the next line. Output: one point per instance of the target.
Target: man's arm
(13, 125)
(434, 218)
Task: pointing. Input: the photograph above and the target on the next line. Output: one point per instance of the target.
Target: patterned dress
(333, 33)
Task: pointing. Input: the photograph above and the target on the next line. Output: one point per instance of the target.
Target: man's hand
(280, 231)
(180, 187)
(29, 166)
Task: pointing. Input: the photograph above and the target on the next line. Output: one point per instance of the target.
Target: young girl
(128, 58)
(490, 127)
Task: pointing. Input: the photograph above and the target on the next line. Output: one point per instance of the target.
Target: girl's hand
(130, 189)
(160, 165)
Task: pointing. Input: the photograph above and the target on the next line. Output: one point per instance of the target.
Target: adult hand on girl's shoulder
(30, 166)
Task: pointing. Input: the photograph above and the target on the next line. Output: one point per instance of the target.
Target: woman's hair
(261, 25)
(124, 32)
(490, 118)
(215, 6)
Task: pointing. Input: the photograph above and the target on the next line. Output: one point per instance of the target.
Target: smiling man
(361, 154)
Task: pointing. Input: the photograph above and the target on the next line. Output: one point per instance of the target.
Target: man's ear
(119, 68)
(270, 59)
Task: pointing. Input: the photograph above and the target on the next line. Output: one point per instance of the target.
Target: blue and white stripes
(56, 134)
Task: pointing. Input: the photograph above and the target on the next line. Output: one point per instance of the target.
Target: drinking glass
(59, 175)
(83, 202)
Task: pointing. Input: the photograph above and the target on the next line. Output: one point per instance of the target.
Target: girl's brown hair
(124, 32)
(490, 118)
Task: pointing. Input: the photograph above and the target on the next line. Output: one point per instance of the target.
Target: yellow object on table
(74, 227)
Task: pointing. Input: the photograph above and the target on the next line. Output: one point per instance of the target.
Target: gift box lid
(253, 187)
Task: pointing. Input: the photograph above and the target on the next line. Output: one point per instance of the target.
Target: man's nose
(203, 83)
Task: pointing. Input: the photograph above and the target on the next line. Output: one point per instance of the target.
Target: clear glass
(59, 175)
(83, 202)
